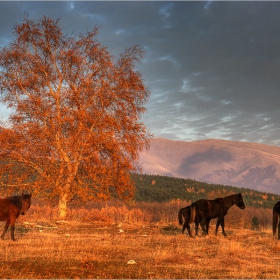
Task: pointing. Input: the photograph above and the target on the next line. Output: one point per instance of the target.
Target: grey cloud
(212, 67)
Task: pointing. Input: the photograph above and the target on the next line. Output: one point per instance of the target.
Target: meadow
(143, 241)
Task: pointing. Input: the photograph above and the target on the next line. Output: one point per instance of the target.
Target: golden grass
(101, 250)
(100, 242)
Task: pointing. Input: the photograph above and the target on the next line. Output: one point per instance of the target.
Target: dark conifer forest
(156, 188)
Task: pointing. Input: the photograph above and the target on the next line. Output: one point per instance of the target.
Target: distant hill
(240, 164)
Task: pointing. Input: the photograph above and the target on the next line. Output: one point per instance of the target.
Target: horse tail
(192, 214)
(275, 220)
(180, 216)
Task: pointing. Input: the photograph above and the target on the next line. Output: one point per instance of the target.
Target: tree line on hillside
(157, 188)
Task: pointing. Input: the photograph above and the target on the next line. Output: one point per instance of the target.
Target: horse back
(7, 209)
(220, 207)
(211, 209)
(203, 207)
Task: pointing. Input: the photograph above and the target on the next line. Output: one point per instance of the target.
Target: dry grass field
(116, 242)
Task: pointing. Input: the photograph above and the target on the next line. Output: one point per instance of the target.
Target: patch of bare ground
(140, 251)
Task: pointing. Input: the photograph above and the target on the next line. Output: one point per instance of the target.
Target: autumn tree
(75, 125)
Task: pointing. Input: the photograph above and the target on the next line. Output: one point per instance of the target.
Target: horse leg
(13, 221)
(203, 224)
(223, 226)
(204, 228)
(189, 230)
(184, 227)
(184, 213)
(5, 229)
(196, 228)
(207, 226)
(219, 222)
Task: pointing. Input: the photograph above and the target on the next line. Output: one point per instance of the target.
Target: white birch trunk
(62, 206)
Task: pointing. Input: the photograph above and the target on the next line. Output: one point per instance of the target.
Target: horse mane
(228, 200)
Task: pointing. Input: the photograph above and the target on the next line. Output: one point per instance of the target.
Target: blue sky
(213, 68)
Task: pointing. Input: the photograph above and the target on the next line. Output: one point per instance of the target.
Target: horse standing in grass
(205, 210)
(276, 215)
(10, 209)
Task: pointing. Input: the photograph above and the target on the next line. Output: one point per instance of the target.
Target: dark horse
(204, 210)
(10, 209)
(186, 213)
(276, 214)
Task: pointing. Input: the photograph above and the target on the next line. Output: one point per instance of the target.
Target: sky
(212, 67)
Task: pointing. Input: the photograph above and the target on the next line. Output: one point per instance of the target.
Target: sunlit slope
(241, 164)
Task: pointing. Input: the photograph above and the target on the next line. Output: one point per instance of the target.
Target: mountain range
(241, 164)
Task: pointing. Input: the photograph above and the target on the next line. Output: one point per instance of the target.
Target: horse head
(239, 201)
(25, 203)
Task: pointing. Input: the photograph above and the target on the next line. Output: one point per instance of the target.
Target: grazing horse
(10, 209)
(276, 214)
(205, 210)
(185, 212)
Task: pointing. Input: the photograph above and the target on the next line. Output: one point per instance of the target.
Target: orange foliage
(75, 126)
(144, 212)
(219, 193)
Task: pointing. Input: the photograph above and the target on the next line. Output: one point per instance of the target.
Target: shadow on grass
(20, 231)
(170, 230)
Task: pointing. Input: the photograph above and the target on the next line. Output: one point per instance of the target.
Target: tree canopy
(75, 126)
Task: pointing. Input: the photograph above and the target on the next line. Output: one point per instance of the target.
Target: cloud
(212, 67)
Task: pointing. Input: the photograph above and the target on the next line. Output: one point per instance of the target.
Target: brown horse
(276, 215)
(204, 210)
(185, 212)
(10, 209)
